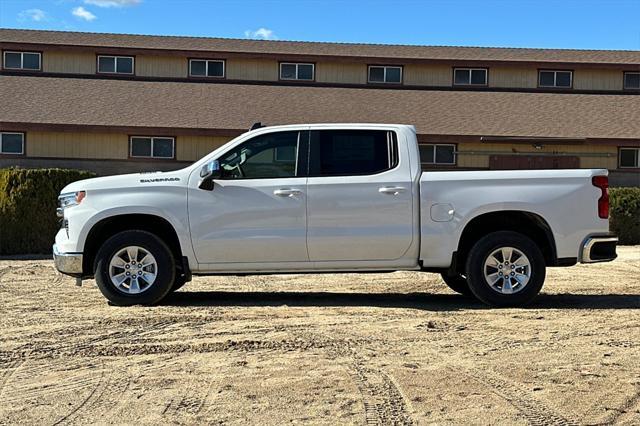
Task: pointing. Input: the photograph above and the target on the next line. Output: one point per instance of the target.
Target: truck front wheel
(134, 268)
(505, 268)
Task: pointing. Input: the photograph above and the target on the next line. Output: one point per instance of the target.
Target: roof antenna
(257, 125)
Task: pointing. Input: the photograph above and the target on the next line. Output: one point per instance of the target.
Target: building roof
(179, 105)
(296, 48)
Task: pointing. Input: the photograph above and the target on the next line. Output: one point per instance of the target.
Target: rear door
(359, 198)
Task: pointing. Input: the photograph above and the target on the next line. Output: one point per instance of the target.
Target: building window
(470, 76)
(206, 68)
(291, 71)
(152, 147)
(555, 78)
(115, 64)
(12, 143)
(28, 61)
(438, 154)
(632, 80)
(385, 74)
(629, 158)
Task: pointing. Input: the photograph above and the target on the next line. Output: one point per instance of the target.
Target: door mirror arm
(208, 174)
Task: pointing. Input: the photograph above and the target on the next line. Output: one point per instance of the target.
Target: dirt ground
(395, 348)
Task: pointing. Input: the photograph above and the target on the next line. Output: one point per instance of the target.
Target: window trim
(385, 74)
(470, 69)
(22, 52)
(115, 72)
(434, 145)
(151, 157)
(555, 79)
(313, 71)
(635, 148)
(206, 68)
(24, 144)
(624, 80)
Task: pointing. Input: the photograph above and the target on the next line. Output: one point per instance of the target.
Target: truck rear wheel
(457, 282)
(134, 268)
(505, 268)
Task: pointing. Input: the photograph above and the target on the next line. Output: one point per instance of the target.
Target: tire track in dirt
(190, 401)
(628, 413)
(9, 371)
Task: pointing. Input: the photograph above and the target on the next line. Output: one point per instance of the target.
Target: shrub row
(28, 202)
(624, 214)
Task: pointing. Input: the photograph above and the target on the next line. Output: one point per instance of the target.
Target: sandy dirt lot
(394, 348)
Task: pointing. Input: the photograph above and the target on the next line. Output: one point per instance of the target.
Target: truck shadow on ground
(422, 301)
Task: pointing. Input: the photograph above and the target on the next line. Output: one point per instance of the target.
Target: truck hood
(175, 178)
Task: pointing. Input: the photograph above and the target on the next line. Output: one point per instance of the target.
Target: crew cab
(331, 198)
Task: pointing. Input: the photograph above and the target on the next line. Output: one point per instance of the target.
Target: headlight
(69, 199)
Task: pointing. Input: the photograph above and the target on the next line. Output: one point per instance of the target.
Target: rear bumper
(599, 249)
(67, 263)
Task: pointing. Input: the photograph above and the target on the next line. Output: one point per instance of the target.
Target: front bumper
(599, 249)
(67, 263)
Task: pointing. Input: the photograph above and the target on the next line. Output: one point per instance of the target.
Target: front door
(359, 199)
(256, 213)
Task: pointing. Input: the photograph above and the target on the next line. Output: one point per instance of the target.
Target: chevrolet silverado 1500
(331, 197)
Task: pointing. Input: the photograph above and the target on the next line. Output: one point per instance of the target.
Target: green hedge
(28, 202)
(625, 214)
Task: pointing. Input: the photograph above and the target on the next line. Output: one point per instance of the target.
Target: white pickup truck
(331, 198)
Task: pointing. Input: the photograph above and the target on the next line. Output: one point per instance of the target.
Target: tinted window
(444, 154)
(125, 65)
(288, 71)
(632, 80)
(563, 79)
(629, 157)
(376, 74)
(427, 154)
(305, 72)
(478, 77)
(163, 147)
(352, 152)
(547, 78)
(461, 77)
(141, 147)
(215, 69)
(31, 61)
(12, 143)
(198, 67)
(393, 75)
(12, 60)
(106, 64)
(271, 155)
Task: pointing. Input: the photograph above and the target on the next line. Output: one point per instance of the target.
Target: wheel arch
(527, 223)
(111, 225)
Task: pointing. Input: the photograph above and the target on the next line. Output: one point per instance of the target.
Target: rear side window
(352, 152)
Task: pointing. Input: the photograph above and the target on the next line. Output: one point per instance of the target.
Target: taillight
(602, 182)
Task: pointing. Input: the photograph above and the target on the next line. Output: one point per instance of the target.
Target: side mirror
(208, 173)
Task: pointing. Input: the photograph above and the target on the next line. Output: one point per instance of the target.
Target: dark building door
(529, 162)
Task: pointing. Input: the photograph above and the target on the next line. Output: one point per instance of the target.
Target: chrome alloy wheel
(507, 270)
(133, 270)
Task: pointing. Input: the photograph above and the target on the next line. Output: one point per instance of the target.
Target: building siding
(69, 62)
(586, 79)
(513, 77)
(192, 148)
(427, 75)
(328, 72)
(162, 66)
(77, 145)
(252, 69)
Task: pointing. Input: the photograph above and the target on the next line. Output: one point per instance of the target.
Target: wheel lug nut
(513, 266)
(513, 273)
(500, 273)
(500, 266)
(126, 266)
(128, 273)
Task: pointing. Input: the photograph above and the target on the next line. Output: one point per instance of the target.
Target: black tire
(481, 251)
(457, 282)
(165, 273)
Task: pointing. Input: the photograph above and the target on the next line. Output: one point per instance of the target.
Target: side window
(271, 155)
(352, 152)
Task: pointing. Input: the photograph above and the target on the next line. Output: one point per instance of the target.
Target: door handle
(392, 190)
(287, 192)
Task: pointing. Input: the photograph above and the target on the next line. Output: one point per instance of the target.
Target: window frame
(297, 64)
(629, 148)
(115, 64)
(21, 52)
(435, 145)
(302, 163)
(624, 80)
(384, 76)
(470, 69)
(151, 156)
(555, 79)
(392, 150)
(24, 144)
(206, 68)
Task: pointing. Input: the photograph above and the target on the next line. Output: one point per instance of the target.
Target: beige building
(119, 103)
